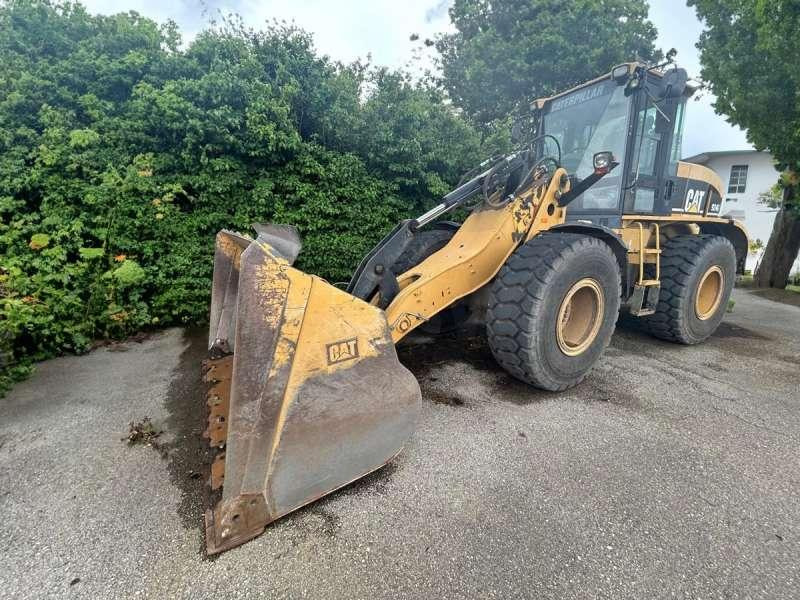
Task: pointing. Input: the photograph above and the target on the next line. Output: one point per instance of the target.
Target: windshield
(592, 119)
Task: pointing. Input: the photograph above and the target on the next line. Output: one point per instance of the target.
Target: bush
(121, 156)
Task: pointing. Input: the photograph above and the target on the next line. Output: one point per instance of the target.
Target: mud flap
(317, 396)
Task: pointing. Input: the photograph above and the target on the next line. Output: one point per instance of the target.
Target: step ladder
(644, 299)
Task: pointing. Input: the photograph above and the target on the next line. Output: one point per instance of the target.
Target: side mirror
(620, 74)
(673, 83)
(634, 82)
(603, 162)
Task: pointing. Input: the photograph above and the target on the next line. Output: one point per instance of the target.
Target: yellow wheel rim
(580, 316)
(709, 293)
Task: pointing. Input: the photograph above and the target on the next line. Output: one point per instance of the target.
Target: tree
(506, 53)
(749, 52)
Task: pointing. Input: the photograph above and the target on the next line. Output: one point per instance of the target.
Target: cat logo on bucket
(342, 351)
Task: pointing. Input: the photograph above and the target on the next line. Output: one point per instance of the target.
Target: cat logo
(342, 351)
(694, 201)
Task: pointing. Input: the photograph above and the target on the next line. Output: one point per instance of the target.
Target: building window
(738, 179)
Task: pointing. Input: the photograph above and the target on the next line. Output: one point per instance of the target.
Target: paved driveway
(671, 472)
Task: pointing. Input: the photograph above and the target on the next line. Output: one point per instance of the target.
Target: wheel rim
(709, 293)
(580, 316)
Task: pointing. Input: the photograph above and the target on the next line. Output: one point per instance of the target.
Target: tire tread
(680, 257)
(517, 300)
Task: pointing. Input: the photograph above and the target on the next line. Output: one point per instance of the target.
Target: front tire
(697, 276)
(553, 308)
(421, 247)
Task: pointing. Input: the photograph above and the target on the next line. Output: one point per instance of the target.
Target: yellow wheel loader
(593, 213)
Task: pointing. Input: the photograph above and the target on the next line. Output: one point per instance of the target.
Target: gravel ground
(671, 472)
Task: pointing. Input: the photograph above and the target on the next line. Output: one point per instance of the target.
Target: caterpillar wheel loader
(593, 213)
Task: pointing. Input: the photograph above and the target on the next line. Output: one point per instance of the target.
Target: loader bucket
(225, 285)
(317, 397)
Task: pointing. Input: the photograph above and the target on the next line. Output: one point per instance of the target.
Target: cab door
(683, 192)
(675, 192)
(651, 186)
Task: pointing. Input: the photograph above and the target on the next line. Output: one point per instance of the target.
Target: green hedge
(123, 153)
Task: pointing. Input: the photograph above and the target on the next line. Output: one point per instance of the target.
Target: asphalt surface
(671, 472)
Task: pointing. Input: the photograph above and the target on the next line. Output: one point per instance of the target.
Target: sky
(349, 29)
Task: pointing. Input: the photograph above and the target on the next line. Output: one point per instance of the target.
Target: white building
(745, 174)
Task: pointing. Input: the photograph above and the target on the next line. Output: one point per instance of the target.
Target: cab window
(677, 139)
(590, 120)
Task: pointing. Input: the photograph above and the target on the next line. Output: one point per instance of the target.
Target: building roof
(704, 157)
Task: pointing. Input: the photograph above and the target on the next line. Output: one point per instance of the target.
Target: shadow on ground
(188, 452)
(422, 355)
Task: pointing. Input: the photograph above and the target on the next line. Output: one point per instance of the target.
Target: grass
(746, 281)
(790, 295)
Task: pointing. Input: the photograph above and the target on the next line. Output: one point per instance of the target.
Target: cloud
(438, 11)
(191, 16)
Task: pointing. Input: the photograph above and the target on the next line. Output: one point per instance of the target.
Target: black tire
(422, 246)
(685, 260)
(526, 300)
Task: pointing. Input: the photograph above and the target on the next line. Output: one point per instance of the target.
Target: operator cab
(636, 113)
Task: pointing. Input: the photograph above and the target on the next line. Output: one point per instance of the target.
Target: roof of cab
(540, 102)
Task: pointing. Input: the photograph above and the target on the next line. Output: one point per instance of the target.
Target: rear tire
(697, 276)
(553, 308)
